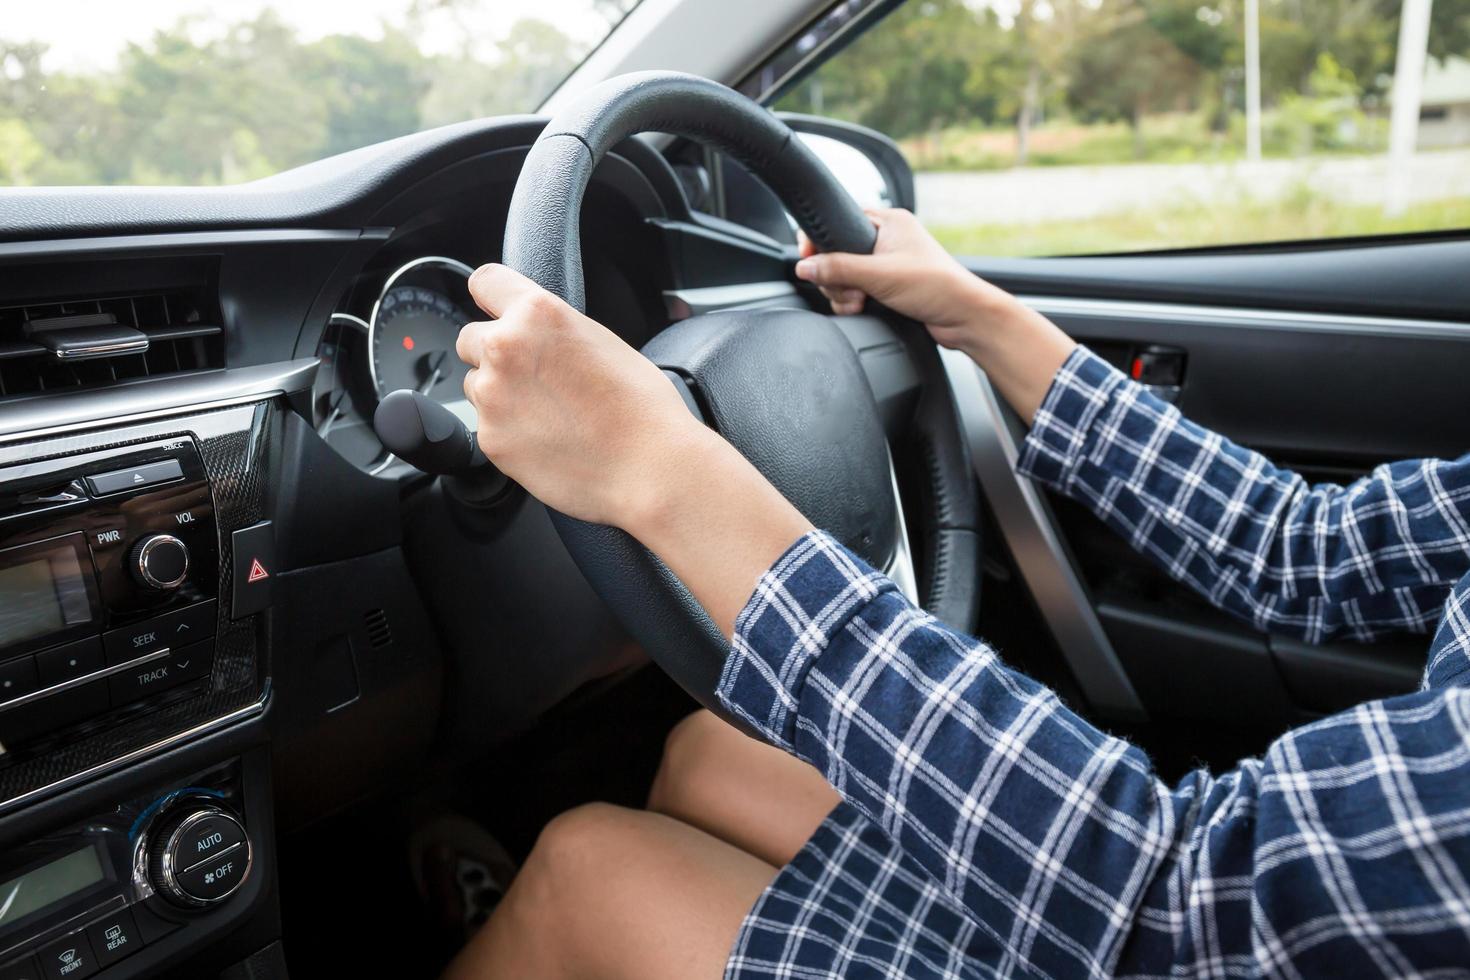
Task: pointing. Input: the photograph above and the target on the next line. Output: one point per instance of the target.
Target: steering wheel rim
(542, 241)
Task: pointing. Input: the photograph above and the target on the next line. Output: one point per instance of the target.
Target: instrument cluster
(402, 337)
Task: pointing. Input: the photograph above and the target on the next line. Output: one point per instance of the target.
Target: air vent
(90, 343)
(380, 634)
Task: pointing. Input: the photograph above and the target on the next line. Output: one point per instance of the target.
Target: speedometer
(414, 326)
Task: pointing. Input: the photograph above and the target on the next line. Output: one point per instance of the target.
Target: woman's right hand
(910, 273)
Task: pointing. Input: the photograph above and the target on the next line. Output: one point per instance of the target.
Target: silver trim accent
(137, 345)
(45, 415)
(204, 728)
(140, 561)
(43, 692)
(1026, 523)
(682, 304)
(352, 321)
(900, 566)
(454, 265)
(176, 240)
(1224, 316)
(168, 875)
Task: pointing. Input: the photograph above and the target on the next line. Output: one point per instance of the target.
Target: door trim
(1227, 317)
(1026, 523)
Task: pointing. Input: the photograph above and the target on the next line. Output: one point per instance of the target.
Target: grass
(1165, 138)
(1300, 216)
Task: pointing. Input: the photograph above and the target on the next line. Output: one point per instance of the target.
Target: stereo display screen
(41, 591)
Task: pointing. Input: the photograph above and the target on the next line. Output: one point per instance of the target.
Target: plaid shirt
(988, 830)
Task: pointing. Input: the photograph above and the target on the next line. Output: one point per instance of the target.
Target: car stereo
(109, 580)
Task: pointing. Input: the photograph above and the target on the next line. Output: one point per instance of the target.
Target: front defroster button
(69, 958)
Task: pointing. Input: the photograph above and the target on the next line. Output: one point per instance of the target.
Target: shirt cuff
(1060, 433)
(798, 606)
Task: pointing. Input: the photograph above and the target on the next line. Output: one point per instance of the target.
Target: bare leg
(610, 892)
(744, 792)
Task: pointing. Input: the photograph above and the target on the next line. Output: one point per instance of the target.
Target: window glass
(1049, 127)
(221, 91)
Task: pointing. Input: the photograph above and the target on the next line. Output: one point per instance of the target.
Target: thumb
(836, 269)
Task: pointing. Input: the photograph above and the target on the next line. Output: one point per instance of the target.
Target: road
(1030, 194)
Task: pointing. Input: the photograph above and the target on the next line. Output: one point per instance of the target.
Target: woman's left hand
(593, 429)
(567, 409)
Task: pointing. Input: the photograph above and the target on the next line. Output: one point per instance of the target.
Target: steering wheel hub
(786, 389)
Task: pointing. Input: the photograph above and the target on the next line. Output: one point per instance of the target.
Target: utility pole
(1253, 80)
(1408, 87)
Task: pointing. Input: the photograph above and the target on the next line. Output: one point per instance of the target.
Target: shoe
(461, 872)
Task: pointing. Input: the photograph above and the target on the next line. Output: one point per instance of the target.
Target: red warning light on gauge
(407, 342)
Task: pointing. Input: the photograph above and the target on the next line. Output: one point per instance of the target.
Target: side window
(1055, 127)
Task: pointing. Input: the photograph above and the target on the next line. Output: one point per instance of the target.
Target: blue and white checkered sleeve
(1376, 556)
(1005, 796)
(1346, 844)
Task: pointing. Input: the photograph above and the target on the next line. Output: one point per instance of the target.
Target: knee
(569, 849)
(546, 924)
(688, 770)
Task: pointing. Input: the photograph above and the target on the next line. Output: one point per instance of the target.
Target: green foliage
(946, 77)
(1301, 216)
(1325, 116)
(930, 64)
(256, 100)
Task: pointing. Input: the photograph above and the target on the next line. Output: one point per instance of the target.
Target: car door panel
(1326, 392)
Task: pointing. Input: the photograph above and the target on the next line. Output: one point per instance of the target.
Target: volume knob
(160, 561)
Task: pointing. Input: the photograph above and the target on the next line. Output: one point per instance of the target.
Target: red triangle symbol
(257, 571)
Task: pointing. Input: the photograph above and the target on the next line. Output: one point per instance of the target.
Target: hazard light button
(255, 569)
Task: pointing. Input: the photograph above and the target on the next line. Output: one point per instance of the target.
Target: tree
(1124, 67)
(932, 63)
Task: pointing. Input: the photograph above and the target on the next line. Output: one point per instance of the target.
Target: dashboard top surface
(341, 191)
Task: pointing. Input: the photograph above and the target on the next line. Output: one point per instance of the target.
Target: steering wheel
(785, 387)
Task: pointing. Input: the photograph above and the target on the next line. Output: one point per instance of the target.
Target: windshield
(222, 91)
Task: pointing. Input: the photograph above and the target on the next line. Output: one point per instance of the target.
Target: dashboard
(225, 611)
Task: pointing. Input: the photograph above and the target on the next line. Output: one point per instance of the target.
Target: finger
(496, 287)
(469, 345)
(844, 295)
(832, 268)
(470, 380)
(804, 245)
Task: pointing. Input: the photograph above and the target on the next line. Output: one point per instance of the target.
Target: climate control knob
(199, 856)
(159, 561)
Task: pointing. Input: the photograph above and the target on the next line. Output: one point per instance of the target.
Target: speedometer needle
(435, 363)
